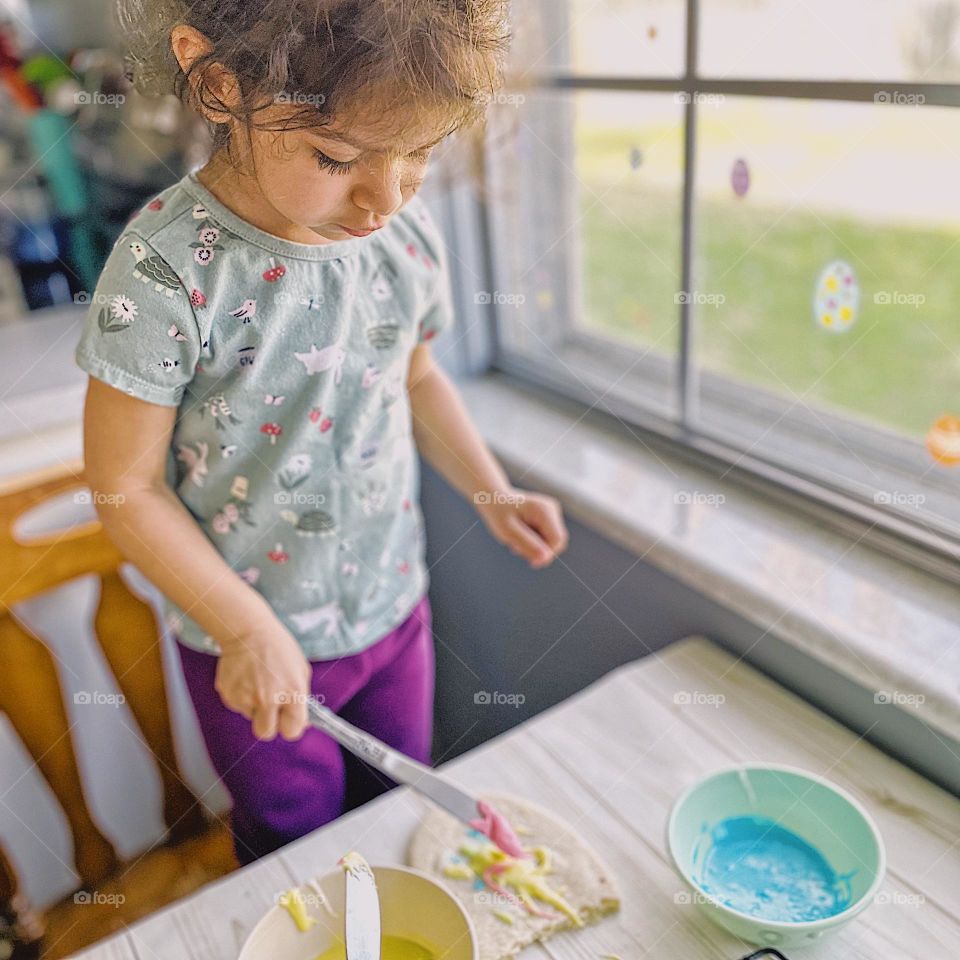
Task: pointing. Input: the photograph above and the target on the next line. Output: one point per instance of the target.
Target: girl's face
(336, 181)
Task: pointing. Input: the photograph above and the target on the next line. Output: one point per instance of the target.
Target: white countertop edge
(514, 423)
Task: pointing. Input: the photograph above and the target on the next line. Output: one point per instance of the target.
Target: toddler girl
(261, 379)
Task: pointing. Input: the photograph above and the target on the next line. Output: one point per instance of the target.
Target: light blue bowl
(820, 812)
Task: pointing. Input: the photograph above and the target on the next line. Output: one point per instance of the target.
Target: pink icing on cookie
(496, 826)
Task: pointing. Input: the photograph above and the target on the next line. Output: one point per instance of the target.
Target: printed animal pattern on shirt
(293, 446)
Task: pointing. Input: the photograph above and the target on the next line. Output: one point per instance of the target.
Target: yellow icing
(293, 901)
(391, 948)
(354, 861)
(459, 871)
(503, 916)
(523, 877)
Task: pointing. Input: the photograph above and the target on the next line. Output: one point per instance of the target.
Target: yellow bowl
(412, 906)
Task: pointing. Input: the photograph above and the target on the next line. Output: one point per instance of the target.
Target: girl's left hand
(529, 524)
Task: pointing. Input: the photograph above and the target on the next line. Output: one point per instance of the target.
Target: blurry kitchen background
(79, 153)
(102, 151)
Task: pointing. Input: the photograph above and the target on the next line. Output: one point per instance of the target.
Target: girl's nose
(378, 191)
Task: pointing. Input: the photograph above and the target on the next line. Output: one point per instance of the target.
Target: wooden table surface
(610, 761)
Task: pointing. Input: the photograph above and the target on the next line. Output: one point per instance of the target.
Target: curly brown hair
(442, 57)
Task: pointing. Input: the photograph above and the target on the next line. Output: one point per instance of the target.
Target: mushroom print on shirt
(293, 445)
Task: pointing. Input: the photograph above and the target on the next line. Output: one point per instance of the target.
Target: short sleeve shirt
(293, 447)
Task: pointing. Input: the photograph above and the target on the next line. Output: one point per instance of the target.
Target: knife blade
(477, 814)
(361, 920)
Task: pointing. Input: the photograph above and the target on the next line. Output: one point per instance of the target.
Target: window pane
(871, 40)
(827, 239)
(627, 37)
(629, 154)
(530, 197)
(603, 206)
(642, 38)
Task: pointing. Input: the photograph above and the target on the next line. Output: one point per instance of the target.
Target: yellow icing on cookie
(459, 871)
(524, 878)
(292, 900)
(503, 916)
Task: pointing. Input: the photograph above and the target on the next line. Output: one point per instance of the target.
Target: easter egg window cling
(836, 300)
(943, 440)
(740, 177)
(542, 279)
(759, 868)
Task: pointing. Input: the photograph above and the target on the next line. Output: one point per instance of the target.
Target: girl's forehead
(402, 141)
(393, 131)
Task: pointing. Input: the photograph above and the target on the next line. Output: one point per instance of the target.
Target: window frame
(929, 542)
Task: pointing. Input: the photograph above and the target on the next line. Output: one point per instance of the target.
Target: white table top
(610, 761)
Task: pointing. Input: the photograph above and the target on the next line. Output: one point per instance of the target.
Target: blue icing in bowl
(755, 866)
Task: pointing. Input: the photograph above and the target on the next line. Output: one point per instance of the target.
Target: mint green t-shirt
(287, 362)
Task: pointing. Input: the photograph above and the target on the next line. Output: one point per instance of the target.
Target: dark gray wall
(504, 628)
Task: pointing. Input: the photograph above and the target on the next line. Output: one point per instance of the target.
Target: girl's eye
(334, 166)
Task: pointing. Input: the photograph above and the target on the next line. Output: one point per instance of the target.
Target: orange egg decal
(943, 440)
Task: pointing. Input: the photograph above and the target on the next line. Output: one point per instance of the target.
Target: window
(737, 224)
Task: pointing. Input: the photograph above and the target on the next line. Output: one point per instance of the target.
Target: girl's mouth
(356, 233)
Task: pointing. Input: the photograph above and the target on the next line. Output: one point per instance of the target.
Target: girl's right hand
(265, 676)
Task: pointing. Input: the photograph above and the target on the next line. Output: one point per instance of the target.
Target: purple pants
(282, 790)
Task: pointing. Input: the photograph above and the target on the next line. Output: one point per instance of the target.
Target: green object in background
(826, 814)
(49, 134)
(44, 70)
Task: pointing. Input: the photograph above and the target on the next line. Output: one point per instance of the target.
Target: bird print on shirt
(246, 311)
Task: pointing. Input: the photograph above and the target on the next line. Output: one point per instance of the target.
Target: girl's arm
(125, 448)
(530, 524)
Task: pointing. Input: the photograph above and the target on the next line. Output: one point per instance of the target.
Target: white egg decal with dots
(837, 298)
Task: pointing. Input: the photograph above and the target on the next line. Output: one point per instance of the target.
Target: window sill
(880, 622)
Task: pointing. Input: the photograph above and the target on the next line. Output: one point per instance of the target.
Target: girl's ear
(212, 82)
